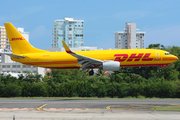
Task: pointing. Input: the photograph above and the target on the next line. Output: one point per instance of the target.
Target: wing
(83, 60)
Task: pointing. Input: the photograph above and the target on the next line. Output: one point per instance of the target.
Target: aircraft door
(158, 55)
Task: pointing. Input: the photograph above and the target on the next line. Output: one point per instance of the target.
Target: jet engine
(110, 65)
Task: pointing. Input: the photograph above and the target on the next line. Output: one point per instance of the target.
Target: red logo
(20, 38)
(120, 57)
(133, 57)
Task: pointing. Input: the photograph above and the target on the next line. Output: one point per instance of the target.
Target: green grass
(167, 108)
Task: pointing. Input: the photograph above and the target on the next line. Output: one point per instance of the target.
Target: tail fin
(18, 43)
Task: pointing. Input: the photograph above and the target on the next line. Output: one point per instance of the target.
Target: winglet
(66, 47)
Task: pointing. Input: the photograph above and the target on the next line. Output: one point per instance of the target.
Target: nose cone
(175, 58)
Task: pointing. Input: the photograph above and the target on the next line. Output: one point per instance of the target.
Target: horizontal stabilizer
(12, 55)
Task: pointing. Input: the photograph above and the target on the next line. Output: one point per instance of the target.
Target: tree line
(128, 81)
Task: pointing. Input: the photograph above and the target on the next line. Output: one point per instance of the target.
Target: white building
(9, 66)
(3, 38)
(129, 38)
(24, 34)
(68, 30)
(4, 42)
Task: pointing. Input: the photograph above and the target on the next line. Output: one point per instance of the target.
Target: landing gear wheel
(91, 72)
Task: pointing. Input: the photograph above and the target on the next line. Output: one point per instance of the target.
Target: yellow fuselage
(127, 58)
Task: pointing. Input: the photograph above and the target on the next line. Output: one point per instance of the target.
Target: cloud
(169, 36)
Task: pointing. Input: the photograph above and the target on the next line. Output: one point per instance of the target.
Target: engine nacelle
(110, 65)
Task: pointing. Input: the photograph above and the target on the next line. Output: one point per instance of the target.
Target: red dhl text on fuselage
(133, 57)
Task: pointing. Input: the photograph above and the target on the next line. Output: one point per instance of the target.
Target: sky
(160, 19)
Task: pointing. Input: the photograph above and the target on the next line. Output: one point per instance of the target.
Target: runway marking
(40, 108)
(59, 110)
(108, 107)
(15, 108)
(46, 109)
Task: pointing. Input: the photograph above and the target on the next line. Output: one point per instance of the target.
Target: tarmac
(87, 109)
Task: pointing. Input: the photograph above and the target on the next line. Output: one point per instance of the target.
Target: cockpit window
(167, 53)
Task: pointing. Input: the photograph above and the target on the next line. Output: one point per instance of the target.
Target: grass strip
(167, 108)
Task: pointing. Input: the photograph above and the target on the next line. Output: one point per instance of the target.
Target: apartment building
(129, 38)
(3, 38)
(69, 30)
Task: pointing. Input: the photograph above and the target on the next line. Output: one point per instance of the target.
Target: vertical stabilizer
(18, 43)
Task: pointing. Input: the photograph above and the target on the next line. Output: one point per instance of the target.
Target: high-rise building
(129, 38)
(69, 30)
(4, 42)
(3, 38)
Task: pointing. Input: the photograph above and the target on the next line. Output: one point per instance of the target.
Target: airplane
(107, 60)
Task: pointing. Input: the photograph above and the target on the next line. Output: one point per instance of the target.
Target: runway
(51, 109)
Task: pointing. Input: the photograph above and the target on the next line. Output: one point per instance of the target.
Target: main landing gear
(91, 72)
